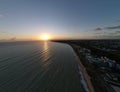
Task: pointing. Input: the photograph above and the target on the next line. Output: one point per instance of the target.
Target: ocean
(38, 67)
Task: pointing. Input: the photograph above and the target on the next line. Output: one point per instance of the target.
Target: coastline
(82, 71)
(91, 55)
(84, 74)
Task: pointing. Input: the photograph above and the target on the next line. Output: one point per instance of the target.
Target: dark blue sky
(28, 19)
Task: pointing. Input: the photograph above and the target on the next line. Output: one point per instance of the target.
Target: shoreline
(84, 73)
(95, 77)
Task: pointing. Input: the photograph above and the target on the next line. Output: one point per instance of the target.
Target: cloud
(98, 29)
(2, 32)
(107, 28)
(118, 32)
(118, 20)
(13, 38)
(114, 27)
(8, 39)
(99, 33)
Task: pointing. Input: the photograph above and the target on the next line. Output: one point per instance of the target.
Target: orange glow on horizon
(45, 37)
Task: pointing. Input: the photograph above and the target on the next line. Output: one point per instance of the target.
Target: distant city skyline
(61, 19)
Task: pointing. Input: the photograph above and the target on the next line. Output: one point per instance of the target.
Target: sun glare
(45, 37)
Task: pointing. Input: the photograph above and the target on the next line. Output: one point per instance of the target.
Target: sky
(62, 19)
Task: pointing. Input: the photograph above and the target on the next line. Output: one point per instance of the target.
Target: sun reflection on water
(46, 54)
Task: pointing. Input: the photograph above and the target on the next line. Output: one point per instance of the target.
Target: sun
(45, 37)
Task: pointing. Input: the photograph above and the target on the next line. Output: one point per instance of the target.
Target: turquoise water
(38, 67)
